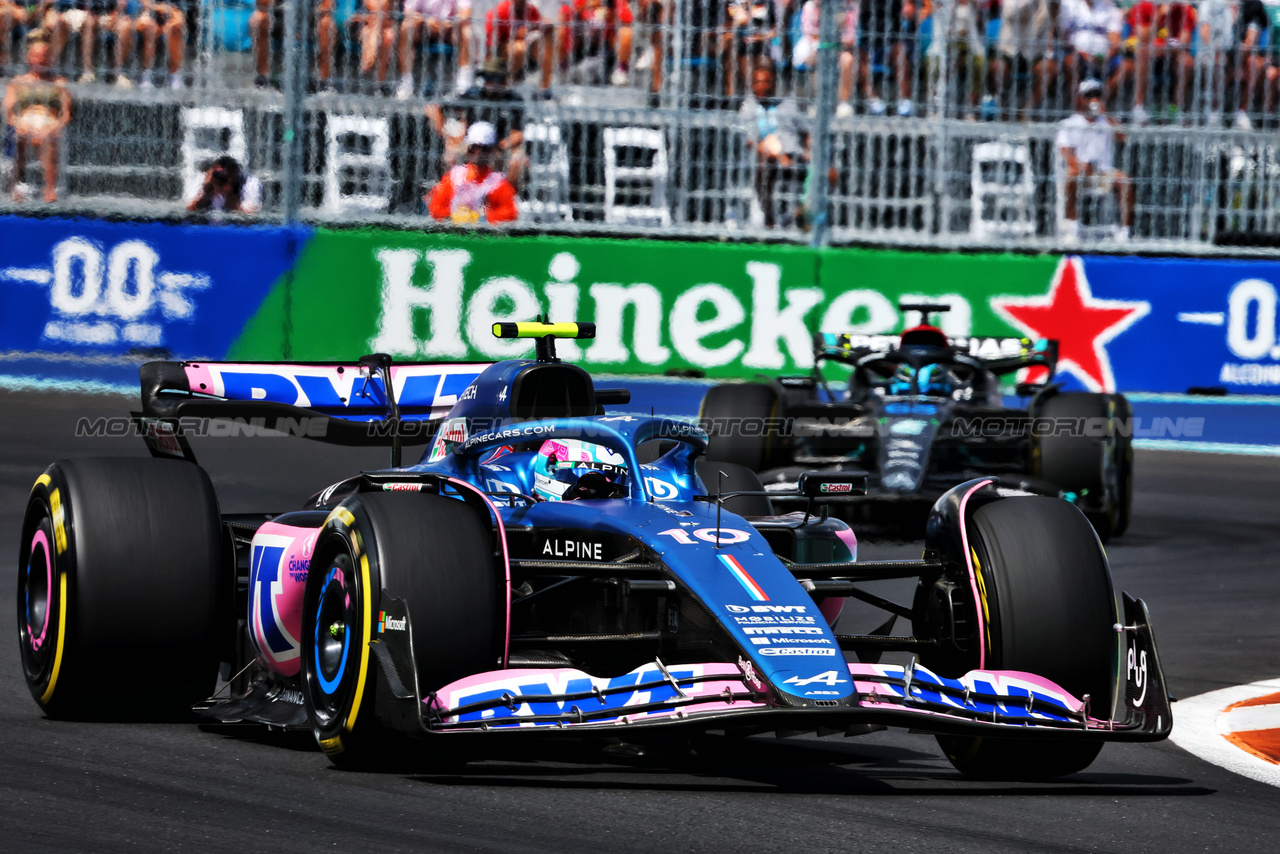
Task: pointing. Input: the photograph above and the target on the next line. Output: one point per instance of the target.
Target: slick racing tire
(738, 418)
(1050, 610)
(119, 573)
(735, 478)
(1098, 469)
(433, 553)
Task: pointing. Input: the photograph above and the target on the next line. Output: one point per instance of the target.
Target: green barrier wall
(658, 306)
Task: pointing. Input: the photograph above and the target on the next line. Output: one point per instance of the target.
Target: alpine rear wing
(344, 403)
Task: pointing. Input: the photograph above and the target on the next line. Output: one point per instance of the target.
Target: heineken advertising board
(81, 297)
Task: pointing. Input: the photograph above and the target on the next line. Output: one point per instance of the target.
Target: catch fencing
(929, 135)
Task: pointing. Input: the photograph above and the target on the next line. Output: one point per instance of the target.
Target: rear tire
(1098, 468)
(1051, 609)
(732, 413)
(119, 575)
(435, 554)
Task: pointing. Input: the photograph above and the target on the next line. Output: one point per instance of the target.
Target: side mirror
(832, 484)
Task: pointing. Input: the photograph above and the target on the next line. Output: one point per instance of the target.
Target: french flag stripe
(744, 578)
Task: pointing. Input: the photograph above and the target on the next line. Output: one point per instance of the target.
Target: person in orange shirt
(475, 190)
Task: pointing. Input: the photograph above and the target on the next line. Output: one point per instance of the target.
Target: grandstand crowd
(1209, 62)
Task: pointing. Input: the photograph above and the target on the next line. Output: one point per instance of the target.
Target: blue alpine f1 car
(552, 567)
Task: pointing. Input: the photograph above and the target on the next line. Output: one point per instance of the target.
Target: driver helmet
(566, 469)
(902, 381)
(932, 379)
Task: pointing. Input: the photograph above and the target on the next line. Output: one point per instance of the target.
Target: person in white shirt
(1091, 32)
(1085, 146)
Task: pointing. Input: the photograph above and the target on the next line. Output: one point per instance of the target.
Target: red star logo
(1081, 324)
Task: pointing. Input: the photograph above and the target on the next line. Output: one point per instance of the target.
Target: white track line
(1199, 731)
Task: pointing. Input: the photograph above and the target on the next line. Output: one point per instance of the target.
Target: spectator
(266, 25)
(1091, 30)
(142, 22)
(1158, 43)
(515, 28)
(1085, 144)
(601, 40)
(435, 22)
(775, 128)
(37, 106)
(374, 30)
(705, 50)
(492, 101)
(1248, 58)
(1216, 23)
(1025, 46)
(959, 34)
(651, 12)
(755, 24)
(475, 190)
(887, 34)
(332, 18)
(12, 15)
(228, 188)
(804, 54)
(59, 18)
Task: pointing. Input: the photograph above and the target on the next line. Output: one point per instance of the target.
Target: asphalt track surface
(1202, 551)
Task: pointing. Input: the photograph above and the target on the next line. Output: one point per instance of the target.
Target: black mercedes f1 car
(921, 415)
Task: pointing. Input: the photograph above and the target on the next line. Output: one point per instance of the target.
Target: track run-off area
(1202, 551)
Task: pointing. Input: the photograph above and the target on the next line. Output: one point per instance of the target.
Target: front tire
(432, 552)
(1098, 469)
(119, 573)
(1051, 610)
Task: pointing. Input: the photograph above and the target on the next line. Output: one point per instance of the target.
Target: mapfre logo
(107, 298)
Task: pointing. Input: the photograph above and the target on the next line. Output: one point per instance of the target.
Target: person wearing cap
(491, 100)
(1085, 144)
(475, 191)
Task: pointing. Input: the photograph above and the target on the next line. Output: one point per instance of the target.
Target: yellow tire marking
(364, 643)
(332, 746)
(62, 626)
(43, 480)
(982, 594)
(343, 515)
(59, 520)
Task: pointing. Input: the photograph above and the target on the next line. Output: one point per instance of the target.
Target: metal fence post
(825, 108)
(294, 82)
